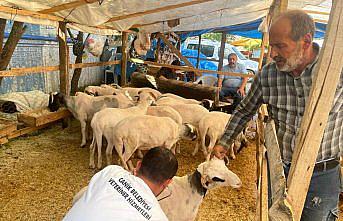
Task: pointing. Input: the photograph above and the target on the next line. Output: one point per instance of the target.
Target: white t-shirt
(115, 194)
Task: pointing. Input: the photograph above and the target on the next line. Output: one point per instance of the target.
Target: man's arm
(221, 77)
(243, 113)
(220, 82)
(241, 89)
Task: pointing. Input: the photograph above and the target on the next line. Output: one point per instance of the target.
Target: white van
(211, 49)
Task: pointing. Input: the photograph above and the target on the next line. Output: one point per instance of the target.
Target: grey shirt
(233, 81)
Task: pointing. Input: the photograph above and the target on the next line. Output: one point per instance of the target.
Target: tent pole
(64, 58)
(199, 50)
(221, 52)
(124, 58)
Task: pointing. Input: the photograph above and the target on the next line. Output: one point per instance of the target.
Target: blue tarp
(248, 30)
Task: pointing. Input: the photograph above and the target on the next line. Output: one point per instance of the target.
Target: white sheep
(212, 126)
(134, 92)
(181, 200)
(84, 106)
(108, 118)
(190, 113)
(145, 132)
(170, 99)
(101, 90)
(165, 111)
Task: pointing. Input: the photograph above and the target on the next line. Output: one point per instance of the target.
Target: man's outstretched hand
(219, 151)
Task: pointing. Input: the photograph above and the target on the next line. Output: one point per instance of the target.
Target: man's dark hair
(301, 23)
(158, 165)
(232, 54)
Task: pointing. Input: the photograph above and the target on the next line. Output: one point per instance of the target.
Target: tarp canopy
(110, 16)
(248, 30)
(247, 42)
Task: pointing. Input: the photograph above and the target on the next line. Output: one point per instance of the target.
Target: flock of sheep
(136, 119)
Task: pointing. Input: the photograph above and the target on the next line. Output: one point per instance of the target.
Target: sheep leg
(139, 154)
(171, 145)
(109, 151)
(178, 147)
(232, 152)
(208, 153)
(83, 133)
(89, 132)
(196, 148)
(243, 143)
(131, 167)
(119, 146)
(91, 154)
(98, 138)
(207, 150)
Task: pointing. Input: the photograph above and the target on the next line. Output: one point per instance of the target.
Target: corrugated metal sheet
(31, 53)
(24, 56)
(89, 76)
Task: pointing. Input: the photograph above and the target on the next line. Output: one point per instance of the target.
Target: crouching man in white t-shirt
(116, 194)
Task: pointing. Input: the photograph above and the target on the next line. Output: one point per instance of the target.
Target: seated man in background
(116, 194)
(233, 86)
(169, 73)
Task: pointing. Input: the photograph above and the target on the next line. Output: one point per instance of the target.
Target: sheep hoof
(91, 166)
(82, 145)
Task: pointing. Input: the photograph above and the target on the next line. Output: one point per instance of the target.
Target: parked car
(211, 49)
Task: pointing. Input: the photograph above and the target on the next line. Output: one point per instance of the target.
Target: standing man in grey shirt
(233, 86)
(285, 85)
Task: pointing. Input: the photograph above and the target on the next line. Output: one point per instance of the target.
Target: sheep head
(214, 174)
(56, 100)
(189, 132)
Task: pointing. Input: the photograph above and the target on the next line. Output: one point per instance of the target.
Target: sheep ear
(51, 98)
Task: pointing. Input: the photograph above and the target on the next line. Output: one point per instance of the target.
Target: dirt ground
(40, 173)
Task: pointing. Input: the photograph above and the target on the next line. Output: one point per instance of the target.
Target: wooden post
(262, 170)
(2, 32)
(158, 48)
(199, 50)
(64, 58)
(309, 136)
(264, 42)
(221, 61)
(17, 31)
(78, 60)
(124, 58)
(221, 52)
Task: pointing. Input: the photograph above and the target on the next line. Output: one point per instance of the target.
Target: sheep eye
(217, 179)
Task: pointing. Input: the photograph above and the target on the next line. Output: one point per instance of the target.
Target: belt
(326, 165)
(323, 166)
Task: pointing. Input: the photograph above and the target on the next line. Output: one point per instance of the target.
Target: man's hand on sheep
(219, 151)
